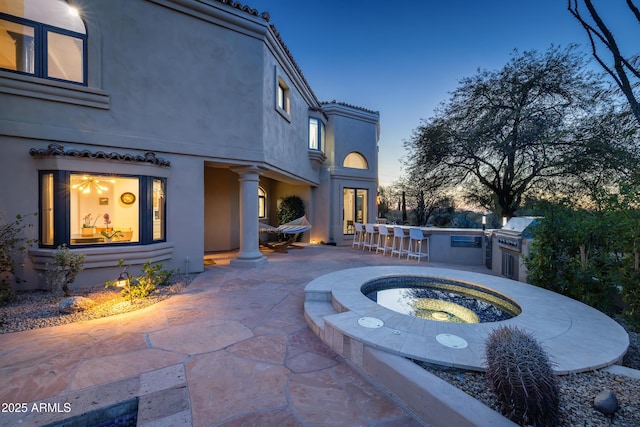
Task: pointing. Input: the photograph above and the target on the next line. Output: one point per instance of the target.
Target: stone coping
(163, 400)
(577, 337)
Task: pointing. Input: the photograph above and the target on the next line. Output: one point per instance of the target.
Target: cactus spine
(522, 377)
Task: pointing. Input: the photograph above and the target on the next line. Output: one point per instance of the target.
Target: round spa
(440, 300)
(446, 315)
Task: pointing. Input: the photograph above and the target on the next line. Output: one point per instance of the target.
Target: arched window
(355, 161)
(43, 38)
(262, 203)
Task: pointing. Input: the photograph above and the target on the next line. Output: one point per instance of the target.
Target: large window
(316, 134)
(93, 209)
(43, 38)
(355, 208)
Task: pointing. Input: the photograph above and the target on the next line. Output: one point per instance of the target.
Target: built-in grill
(510, 236)
(509, 241)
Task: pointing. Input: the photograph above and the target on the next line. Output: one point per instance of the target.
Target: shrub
(571, 255)
(13, 244)
(522, 377)
(63, 270)
(154, 275)
(291, 207)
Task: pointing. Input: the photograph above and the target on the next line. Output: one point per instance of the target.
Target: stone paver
(232, 350)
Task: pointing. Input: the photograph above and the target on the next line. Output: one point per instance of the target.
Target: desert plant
(63, 270)
(142, 286)
(522, 377)
(13, 244)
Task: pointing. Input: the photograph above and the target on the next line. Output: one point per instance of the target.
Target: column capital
(248, 171)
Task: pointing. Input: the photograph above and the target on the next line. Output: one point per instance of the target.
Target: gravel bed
(39, 309)
(577, 391)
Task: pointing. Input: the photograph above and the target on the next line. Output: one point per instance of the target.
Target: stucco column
(249, 255)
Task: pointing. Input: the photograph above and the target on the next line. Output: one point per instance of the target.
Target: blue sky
(403, 58)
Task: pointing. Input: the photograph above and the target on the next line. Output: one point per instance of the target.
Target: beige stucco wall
(197, 87)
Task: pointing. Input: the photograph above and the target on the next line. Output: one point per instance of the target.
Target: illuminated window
(282, 98)
(93, 209)
(355, 161)
(43, 38)
(316, 134)
(262, 203)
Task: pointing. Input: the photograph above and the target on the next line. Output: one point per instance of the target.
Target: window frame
(359, 156)
(262, 207)
(284, 107)
(62, 207)
(320, 135)
(40, 46)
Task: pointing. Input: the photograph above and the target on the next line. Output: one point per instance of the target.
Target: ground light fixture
(124, 281)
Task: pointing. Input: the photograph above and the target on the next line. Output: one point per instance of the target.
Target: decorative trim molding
(317, 158)
(58, 150)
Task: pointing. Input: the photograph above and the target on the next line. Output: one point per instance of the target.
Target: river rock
(75, 304)
(606, 402)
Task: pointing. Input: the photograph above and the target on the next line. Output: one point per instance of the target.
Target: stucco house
(184, 121)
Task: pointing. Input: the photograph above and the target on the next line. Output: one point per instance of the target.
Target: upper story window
(316, 134)
(43, 38)
(283, 96)
(355, 161)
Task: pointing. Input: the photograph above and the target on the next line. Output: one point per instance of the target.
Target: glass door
(355, 208)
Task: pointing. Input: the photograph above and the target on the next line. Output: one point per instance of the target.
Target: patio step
(314, 313)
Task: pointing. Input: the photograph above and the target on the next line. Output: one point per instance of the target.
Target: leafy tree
(625, 71)
(540, 123)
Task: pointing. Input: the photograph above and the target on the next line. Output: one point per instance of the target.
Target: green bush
(13, 245)
(63, 270)
(522, 377)
(569, 255)
(291, 207)
(154, 275)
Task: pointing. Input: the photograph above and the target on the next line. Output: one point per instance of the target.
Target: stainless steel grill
(510, 236)
(509, 239)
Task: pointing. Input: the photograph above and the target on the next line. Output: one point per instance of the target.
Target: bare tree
(624, 71)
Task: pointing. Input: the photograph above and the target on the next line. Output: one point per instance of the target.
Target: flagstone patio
(232, 350)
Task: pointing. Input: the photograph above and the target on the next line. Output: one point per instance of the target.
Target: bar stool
(358, 235)
(398, 238)
(383, 234)
(370, 235)
(416, 237)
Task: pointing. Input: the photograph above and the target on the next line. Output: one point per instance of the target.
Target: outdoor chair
(358, 235)
(416, 237)
(398, 242)
(383, 240)
(370, 235)
(291, 229)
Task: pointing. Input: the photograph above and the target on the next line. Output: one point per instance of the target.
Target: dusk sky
(403, 58)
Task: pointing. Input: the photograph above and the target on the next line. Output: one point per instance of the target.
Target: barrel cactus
(522, 377)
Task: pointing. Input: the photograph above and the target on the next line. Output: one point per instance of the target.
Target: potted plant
(108, 236)
(89, 227)
(107, 226)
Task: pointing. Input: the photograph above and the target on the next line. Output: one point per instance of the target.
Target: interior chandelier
(88, 182)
